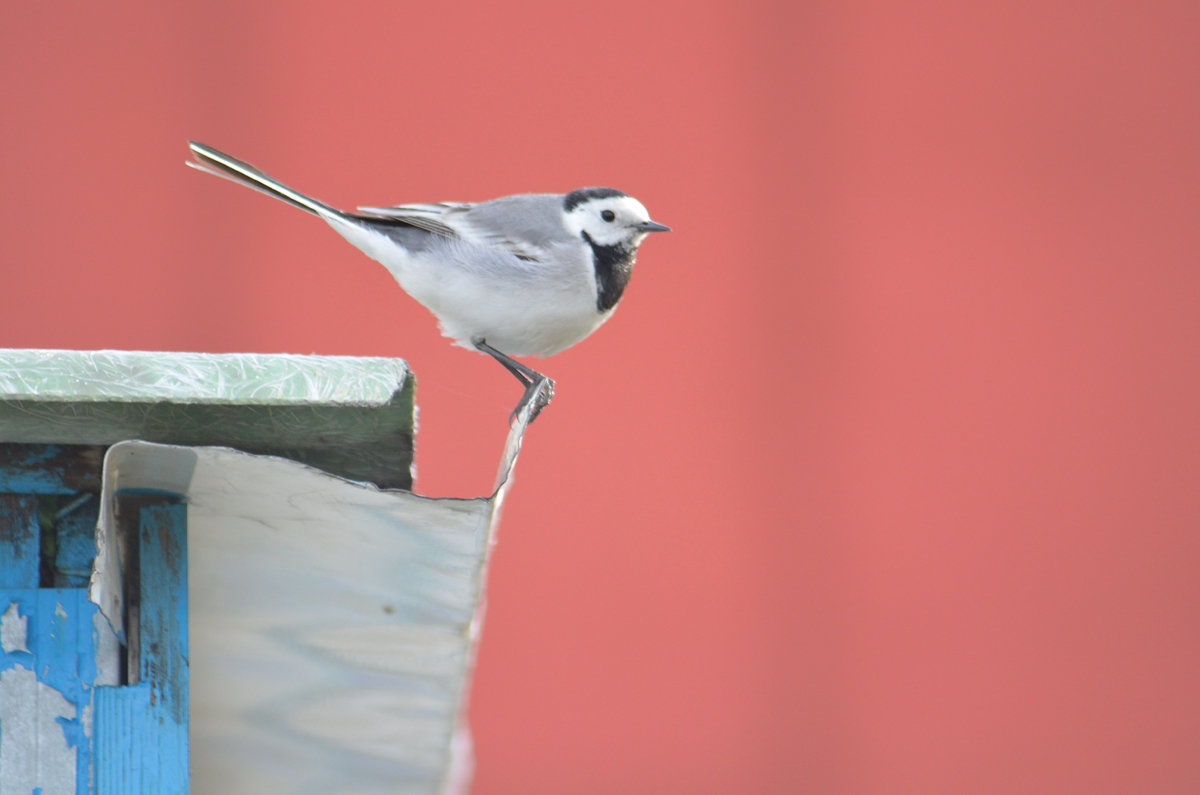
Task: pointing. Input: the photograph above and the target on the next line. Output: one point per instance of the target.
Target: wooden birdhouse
(214, 577)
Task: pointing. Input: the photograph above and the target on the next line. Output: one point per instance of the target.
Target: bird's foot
(539, 388)
(540, 392)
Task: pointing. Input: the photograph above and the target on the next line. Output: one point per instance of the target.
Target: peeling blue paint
(116, 739)
(61, 650)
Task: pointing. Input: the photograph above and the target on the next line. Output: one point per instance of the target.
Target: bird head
(607, 217)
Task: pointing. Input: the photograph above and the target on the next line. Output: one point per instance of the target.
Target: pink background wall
(884, 476)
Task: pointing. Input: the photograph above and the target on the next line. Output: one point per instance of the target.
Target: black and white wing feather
(526, 226)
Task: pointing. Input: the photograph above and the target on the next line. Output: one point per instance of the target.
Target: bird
(529, 274)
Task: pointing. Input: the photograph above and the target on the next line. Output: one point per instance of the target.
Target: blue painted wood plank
(75, 535)
(47, 669)
(163, 617)
(20, 541)
(125, 730)
(49, 468)
(141, 730)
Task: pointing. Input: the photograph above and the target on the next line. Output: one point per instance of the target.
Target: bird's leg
(536, 385)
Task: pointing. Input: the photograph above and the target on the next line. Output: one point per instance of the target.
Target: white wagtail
(524, 275)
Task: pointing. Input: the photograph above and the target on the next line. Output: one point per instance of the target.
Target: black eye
(608, 215)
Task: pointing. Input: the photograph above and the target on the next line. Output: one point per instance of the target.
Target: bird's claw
(540, 392)
(538, 388)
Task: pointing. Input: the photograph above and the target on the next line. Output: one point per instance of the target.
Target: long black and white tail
(219, 164)
(388, 241)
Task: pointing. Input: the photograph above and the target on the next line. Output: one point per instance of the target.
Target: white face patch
(610, 221)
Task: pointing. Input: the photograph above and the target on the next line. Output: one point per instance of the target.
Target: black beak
(652, 226)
